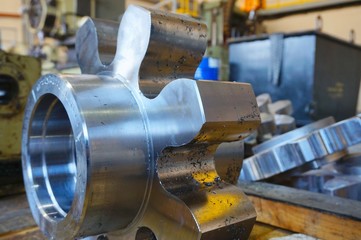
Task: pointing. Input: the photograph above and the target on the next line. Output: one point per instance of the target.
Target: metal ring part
(293, 135)
(317, 146)
(99, 156)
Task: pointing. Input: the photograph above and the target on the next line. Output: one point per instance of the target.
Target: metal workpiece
(281, 107)
(293, 135)
(306, 148)
(262, 101)
(100, 157)
(228, 160)
(284, 124)
(267, 128)
(341, 178)
(174, 45)
(275, 117)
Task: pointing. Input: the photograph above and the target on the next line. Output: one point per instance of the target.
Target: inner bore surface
(52, 169)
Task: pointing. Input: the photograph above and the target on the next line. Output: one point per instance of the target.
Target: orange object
(251, 5)
(10, 15)
(271, 4)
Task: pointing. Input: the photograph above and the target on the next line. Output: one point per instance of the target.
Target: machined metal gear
(102, 155)
(308, 147)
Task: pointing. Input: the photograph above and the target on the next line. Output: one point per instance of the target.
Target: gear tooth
(87, 38)
(318, 145)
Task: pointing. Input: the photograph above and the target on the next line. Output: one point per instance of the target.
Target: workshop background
(275, 92)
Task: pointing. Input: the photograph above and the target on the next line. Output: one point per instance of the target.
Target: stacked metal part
(276, 119)
(341, 178)
(131, 147)
(292, 157)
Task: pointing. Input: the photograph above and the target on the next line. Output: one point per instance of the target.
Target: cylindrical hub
(86, 155)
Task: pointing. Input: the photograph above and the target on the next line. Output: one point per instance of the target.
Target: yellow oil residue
(218, 206)
(205, 177)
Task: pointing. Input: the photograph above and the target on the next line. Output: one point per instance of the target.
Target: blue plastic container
(207, 69)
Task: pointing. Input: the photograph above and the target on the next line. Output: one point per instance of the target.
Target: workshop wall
(11, 32)
(337, 22)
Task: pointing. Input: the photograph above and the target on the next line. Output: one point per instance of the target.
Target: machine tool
(129, 147)
(17, 75)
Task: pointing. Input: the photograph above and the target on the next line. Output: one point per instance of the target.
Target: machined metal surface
(341, 178)
(293, 135)
(99, 156)
(309, 147)
(284, 124)
(281, 107)
(175, 46)
(267, 128)
(275, 118)
(262, 101)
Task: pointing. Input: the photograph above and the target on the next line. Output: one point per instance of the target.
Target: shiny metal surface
(341, 178)
(267, 128)
(275, 118)
(176, 45)
(100, 157)
(228, 160)
(284, 124)
(293, 135)
(281, 107)
(262, 101)
(311, 150)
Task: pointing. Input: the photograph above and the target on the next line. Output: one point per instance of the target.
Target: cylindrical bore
(52, 157)
(86, 158)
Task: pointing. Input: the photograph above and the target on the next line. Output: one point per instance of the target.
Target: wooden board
(15, 214)
(314, 214)
(16, 222)
(264, 232)
(277, 208)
